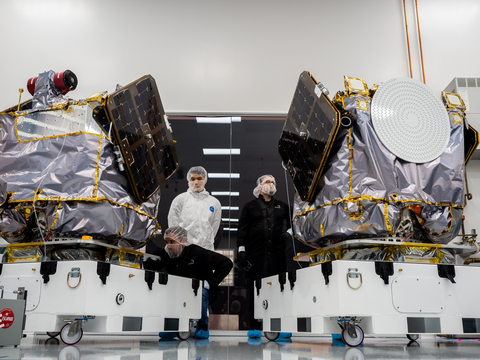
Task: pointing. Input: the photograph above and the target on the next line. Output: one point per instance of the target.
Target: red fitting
(64, 82)
(31, 85)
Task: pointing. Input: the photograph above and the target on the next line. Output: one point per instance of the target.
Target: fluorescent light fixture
(224, 175)
(231, 220)
(225, 193)
(218, 120)
(230, 229)
(221, 151)
(230, 208)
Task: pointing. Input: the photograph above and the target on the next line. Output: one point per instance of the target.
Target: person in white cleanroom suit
(196, 210)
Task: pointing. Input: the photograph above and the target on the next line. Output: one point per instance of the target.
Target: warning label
(6, 318)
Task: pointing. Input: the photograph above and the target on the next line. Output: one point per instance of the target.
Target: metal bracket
(292, 277)
(163, 278)
(75, 272)
(103, 270)
(195, 286)
(282, 279)
(149, 278)
(349, 326)
(48, 268)
(119, 157)
(21, 293)
(258, 285)
(384, 269)
(321, 89)
(327, 271)
(447, 271)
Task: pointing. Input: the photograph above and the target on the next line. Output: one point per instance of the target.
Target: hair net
(267, 189)
(197, 170)
(197, 186)
(180, 236)
(177, 232)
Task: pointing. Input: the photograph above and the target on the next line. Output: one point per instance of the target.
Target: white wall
(220, 56)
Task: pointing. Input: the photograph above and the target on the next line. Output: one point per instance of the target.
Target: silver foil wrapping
(66, 181)
(3, 191)
(366, 187)
(46, 94)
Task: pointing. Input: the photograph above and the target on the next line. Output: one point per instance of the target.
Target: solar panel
(310, 128)
(471, 142)
(139, 128)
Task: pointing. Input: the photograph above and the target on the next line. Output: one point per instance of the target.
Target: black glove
(242, 259)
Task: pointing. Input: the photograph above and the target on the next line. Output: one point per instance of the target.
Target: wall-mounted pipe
(408, 39)
(420, 41)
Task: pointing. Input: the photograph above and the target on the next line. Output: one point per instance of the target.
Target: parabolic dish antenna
(411, 122)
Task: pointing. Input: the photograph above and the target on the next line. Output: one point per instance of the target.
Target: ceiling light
(225, 193)
(221, 151)
(218, 120)
(230, 208)
(231, 220)
(230, 229)
(223, 175)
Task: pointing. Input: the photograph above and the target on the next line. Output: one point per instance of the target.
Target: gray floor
(235, 345)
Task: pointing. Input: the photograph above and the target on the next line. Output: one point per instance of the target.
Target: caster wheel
(70, 340)
(183, 335)
(413, 337)
(350, 341)
(271, 335)
(53, 334)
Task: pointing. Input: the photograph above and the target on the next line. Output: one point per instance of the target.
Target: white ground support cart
(67, 298)
(355, 297)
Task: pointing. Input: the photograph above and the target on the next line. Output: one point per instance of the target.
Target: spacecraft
(386, 162)
(79, 192)
(91, 167)
(379, 179)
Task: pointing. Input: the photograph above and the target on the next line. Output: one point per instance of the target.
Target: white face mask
(269, 189)
(195, 184)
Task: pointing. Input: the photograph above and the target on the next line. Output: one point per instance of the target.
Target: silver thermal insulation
(3, 191)
(46, 94)
(61, 178)
(366, 187)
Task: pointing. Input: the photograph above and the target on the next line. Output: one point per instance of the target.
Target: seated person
(181, 258)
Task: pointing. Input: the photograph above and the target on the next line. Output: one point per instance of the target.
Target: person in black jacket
(261, 239)
(189, 260)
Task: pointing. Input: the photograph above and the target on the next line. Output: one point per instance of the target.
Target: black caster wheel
(183, 335)
(271, 335)
(413, 337)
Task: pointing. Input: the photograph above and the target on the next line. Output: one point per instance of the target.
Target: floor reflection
(239, 347)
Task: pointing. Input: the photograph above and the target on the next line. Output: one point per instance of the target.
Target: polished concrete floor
(235, 345)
